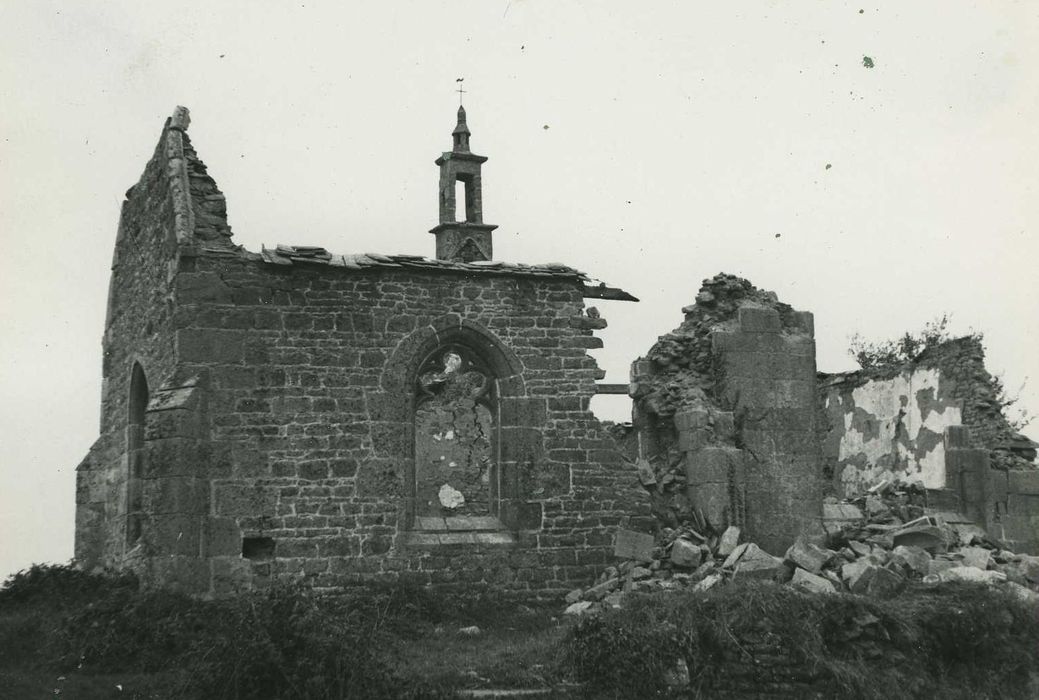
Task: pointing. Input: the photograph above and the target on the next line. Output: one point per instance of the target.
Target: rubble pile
(873, 545)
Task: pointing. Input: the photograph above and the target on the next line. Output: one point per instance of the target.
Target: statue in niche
(454, 423)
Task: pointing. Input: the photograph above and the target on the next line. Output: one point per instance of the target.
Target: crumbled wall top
(681, 361)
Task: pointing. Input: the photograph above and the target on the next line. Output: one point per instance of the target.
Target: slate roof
(312, 255)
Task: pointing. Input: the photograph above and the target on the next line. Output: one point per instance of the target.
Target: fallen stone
(757, 563)
(1029, 567)
(928, 537)
(857, 574)
(973, 575)
(685, 554)
(978, 557)
(735, 555)
(912, 558)
(581, 608)
(573, 596)
(875, 506)
(471, 631)
(708, 583)
(729, 541)
(614, 600)
(937, 566)
(640, 572)
(1023, 592)
(600, 591)
(861, 549)
(810, 582)
(885, 583)
(808, 556)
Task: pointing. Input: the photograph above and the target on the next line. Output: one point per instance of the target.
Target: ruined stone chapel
(296, 414)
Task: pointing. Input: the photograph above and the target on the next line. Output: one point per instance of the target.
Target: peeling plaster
(893, 428)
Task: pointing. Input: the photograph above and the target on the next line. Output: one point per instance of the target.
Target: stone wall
(726, 414)
(888, 423)
(888, 428)
(279, 440)
(157, 221)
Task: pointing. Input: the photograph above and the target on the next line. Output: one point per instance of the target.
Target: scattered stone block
(757, 563)
(928, 537)
(808, 556)
(708, 583)
(640, 572)
(614, 600)
(937, 566)
(810, 582)
(685, 554)
(573, 596)
(1023, 592)
(978, 557)
(735, 555)
(601, 590)
(885, 582)
(729, 541)
(969, 573)
(913, 558)
(581, 608)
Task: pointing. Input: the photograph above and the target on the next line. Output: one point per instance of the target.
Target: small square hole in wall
(257, 547)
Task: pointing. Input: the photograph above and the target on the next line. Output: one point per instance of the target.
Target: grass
(68, 634)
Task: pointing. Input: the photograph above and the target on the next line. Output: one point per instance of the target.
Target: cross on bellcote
(460, 91)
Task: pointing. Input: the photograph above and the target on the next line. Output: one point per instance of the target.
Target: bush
(954, 641)
(890, 354)
(283, 643)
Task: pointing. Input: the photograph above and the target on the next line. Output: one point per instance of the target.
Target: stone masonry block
(243, 499)
(710, 465)
(201, 287)
(957, 436)
(694, 439)
(176, 534)
(794, 393)
(689, 419)
(223, 537)
(174, 457)
(521, 444)
(175, 495)
(958, 461)
(758, 320)
(210, 346)
(523, 412)
(1023, 481)
(804, 321)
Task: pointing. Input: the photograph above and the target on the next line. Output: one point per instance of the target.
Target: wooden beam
(611, 389)
(601, 291)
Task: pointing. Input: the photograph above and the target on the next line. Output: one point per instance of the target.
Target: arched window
(137, 405)
(456, 409)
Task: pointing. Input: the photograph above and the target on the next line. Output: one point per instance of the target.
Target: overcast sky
(648, 144)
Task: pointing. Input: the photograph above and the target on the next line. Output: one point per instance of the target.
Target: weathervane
(460, 91)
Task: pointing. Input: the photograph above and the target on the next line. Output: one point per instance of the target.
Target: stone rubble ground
(873, 545)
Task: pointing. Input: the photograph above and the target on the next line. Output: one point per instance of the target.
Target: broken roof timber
(601, 291)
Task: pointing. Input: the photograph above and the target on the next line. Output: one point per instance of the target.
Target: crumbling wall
(888, 423)
(888, 428)
(725, 412)
(158, 222)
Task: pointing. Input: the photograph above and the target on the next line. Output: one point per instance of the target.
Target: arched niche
(456, 419)
(416, 386)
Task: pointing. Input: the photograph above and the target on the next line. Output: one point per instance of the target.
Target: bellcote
(461, 234)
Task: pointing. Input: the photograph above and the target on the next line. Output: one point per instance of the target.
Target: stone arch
(137, 407)
(396, 404)
(402, 367)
